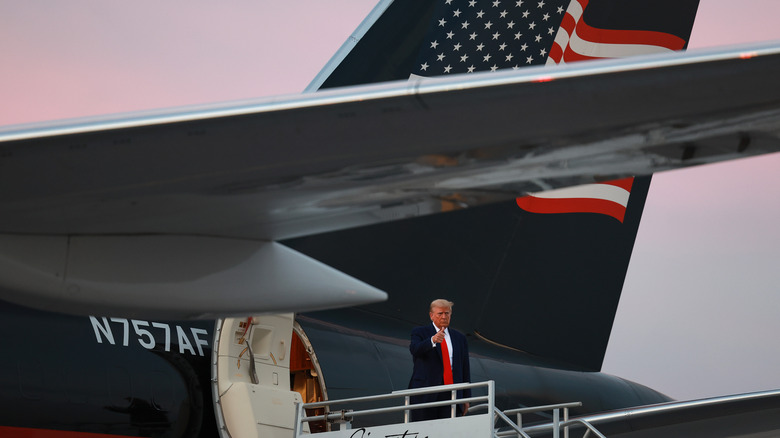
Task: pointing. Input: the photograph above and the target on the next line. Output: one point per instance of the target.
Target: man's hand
(438, 338)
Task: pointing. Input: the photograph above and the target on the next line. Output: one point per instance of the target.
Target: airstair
(751, 414)
(484, 419)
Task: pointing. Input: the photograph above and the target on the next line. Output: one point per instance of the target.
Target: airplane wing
(296, 165)
(262, 171)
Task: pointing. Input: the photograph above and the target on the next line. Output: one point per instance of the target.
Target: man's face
(441, 316)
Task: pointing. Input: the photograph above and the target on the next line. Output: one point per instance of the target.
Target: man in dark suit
(432, 346)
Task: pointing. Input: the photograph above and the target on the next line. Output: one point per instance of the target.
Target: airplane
(97, 229)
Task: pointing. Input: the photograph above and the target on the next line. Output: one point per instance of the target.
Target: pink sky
(698, 314)
(88, 57)
(697, 317)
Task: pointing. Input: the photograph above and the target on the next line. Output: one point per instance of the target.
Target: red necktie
(445, 359)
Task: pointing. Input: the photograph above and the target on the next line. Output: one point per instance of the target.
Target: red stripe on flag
(572, 205)
(625, 183)
(644, 37)
(568, 24)
(556, 53)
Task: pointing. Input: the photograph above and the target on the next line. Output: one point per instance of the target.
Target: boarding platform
(751, 414)
(483, 419)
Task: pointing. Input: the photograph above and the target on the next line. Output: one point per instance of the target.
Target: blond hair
(441, 302)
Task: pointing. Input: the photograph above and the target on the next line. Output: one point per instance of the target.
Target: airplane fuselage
(118, 377)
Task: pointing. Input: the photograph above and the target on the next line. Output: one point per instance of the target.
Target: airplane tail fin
(542, 274)
(440, 37)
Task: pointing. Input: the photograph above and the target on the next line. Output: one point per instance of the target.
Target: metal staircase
(483, 418)
(752, 414)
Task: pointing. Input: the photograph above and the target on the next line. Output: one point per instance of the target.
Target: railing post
(406, 412)
(519, 422)
(346, 423)
(453, 407)
(297, 426)
(566, 420)
(491, 405)
(556, 423)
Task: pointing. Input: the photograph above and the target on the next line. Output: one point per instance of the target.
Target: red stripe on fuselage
(25, 432)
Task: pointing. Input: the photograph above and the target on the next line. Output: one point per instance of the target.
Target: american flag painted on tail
(467, 36)
(609, 198)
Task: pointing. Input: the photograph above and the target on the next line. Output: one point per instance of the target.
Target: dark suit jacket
(428, 368)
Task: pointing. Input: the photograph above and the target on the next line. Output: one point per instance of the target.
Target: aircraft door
(252, 392)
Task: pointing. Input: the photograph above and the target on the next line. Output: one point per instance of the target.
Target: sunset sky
(698, 316)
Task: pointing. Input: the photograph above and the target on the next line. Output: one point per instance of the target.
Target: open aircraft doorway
(263, 365)
(306, 375)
